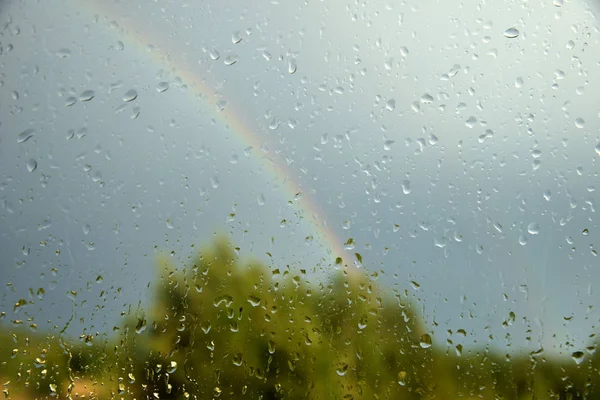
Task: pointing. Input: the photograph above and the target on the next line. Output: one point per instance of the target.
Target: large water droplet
(130, 95)
(162, 86)
(580, 123)
(342, 369)
(533, 228)
(292, 67)
(31, 165)
(597, 148)
(25, 135)
(511, 33)
(69, 101)
(425, 341)
(578, 357)
(172, 367)
(390, 105)
(230, 60)
(406, 189)
(86, 95)
(236, 37)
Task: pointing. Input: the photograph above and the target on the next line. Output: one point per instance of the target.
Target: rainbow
(306, 205)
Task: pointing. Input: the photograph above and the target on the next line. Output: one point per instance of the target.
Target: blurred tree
(222, 328)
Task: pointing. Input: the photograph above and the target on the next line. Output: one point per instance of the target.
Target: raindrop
(387, 145)
(425, 342)
(230, 60)
(31, 165)
(221, 105)
(578, 357)
(214, 54)
(427, 98)
(580, 122)
(86, 95)
(25, 135)
(362, 324)
(236, 37)
(292, 67)
(558, 3)
(470, 122)
(69, 101)
(162, 86)
(402, 378)
(237, 360)
(172, 367)
(342, 369)
(511, 33)
(63, 53)
(547, 195)
(254, 301)
(522, 239)
(459, 349)
(130, 95)
(533, 228)
(390, 105)
(597, 148)
(406, 189)
(519, 82)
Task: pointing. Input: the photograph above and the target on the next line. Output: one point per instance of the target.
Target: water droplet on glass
(597, 148)
(558, 3)
(236, 37)
(425, 342)
(580, 122)
(547, 195)
(511, 33)
(470, 122)
(427, 98)
(254, 301)
(221, 105)
(86, 95)
(402, 378)
(387, 145)
(390, 105)
(130, 95)
(63, 53)
(31, 165)
(578, 357)
(214, 54)
(69, 101)
(292, 67)
(230, 60)
(459, 350)
(342, 369)
(25, 135)
(162, 87)
(406, 189)
(533, 228)
(519, 82)
(172, 367)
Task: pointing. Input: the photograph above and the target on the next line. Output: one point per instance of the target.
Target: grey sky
(484, 128)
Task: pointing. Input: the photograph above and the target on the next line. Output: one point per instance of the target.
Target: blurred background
(451, 147)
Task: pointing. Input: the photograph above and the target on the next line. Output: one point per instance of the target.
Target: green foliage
(221, 328)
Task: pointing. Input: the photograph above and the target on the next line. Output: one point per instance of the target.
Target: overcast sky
(457, 143)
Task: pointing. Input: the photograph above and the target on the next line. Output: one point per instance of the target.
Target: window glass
(319, 199)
